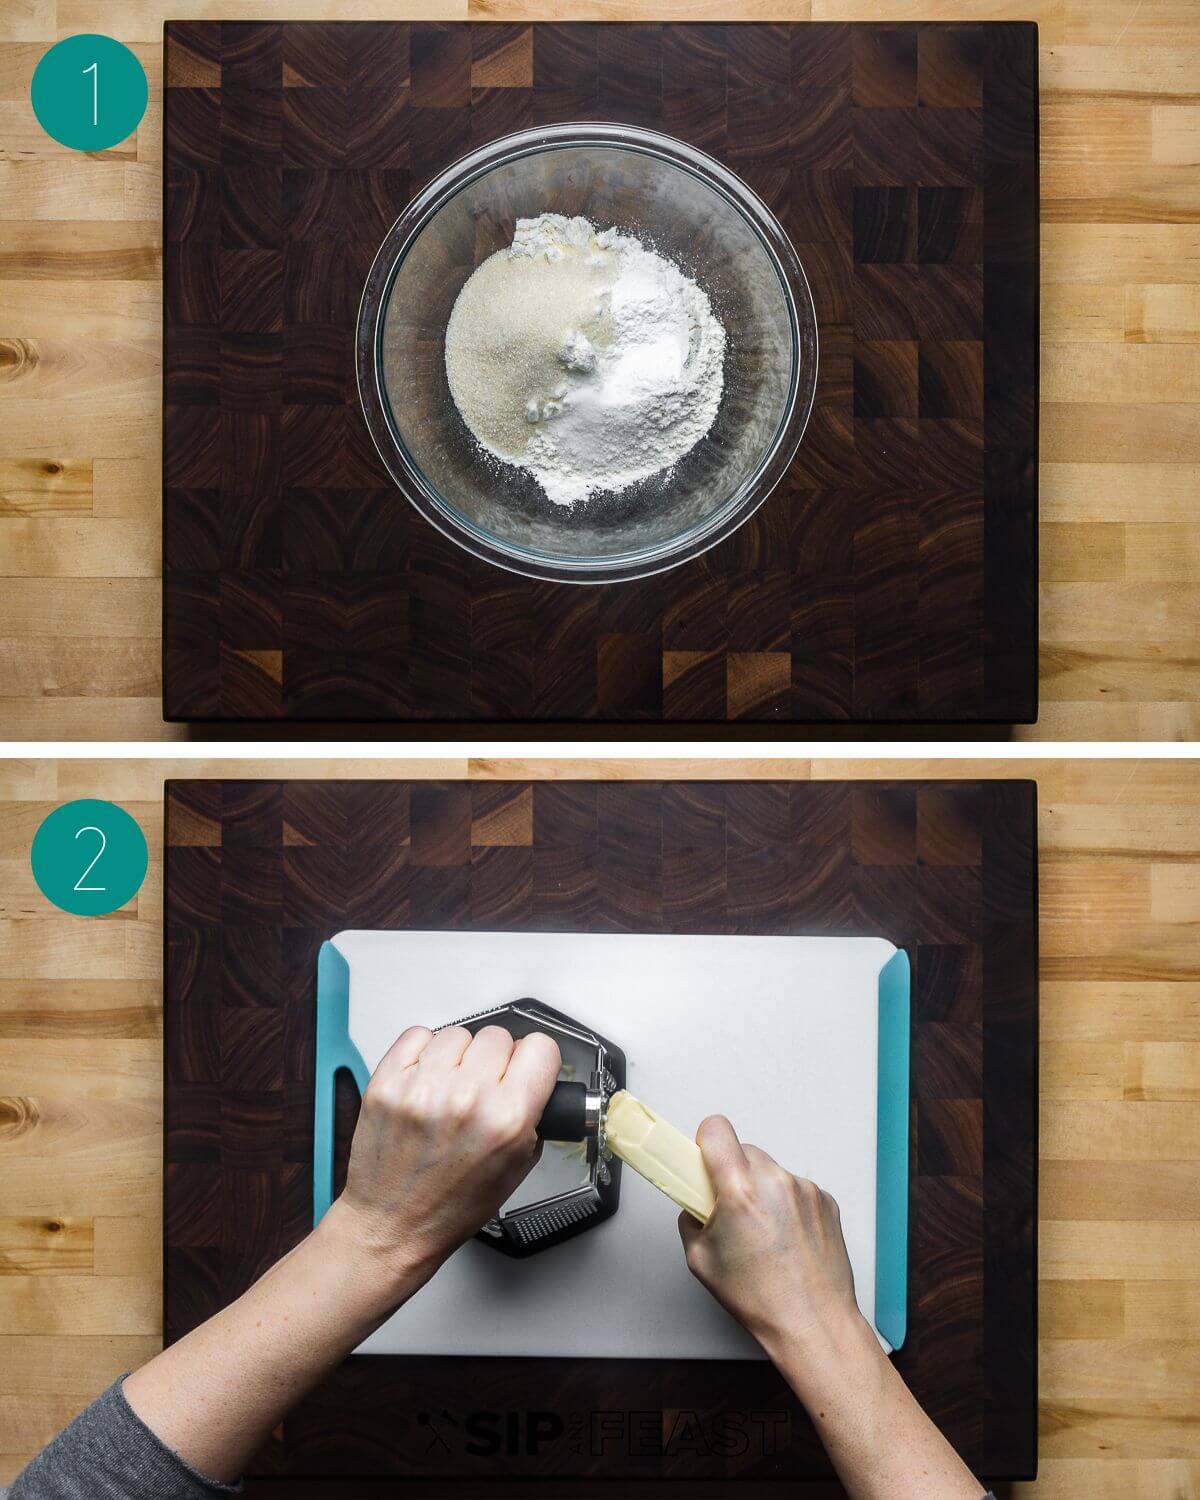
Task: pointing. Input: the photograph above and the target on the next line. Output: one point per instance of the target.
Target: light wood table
(80, 270)
(81, 1127)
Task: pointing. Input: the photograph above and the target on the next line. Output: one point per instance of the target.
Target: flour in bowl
(584, 358)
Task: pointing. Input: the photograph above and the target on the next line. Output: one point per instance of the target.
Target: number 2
(94, 70)
(79, 885)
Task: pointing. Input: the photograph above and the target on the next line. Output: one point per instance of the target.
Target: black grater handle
(565, 1115)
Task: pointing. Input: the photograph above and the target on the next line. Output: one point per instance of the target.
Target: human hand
(446, 1132)
(772, 1252)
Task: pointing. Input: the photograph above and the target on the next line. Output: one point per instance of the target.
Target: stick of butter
(662, 1154)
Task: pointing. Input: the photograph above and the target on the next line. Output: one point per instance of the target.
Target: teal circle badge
(89, 857)
(89, 92)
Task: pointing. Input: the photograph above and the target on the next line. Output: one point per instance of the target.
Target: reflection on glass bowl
(687, 207)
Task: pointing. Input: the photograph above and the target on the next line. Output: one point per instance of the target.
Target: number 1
(95, 72)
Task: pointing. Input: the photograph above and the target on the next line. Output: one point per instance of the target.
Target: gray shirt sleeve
(108, 1453)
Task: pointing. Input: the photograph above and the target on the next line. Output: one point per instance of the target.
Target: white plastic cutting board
(778, 1033)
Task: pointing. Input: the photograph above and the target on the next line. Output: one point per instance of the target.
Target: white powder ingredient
(584, 358)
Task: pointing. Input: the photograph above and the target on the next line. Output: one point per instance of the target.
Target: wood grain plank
(1092, 552)
(128, 488)
(1161, 1310)
(1116, 673)
(38, 249)
(1163, 553)
(1164, 722)
(1162, 314)
(127, 1246)
(60, 188)
(54, 547)
(1166, 23)
(28, 21)
(1115, 1478)
(1049, 14)
(107, 424)
(1081, 1309)
(75, 719)
(1128, 70)
(89, 668)
(1130, 193)
(1156, 1368)
(1095, 131)
(631, 10)
(50, 369)
(1084, 314)
(82, 309)
(1142, 615)
(90, 1007)
(1162, 1070)
(126, 1182)
(149, 135)
(1175, 134)
(23, 139)
(47, 948)
(1081, 1070)
(133, 21)
(82, 608)
(85, 1068)
(1146, 1250)
(1133, 492)
(80, 1304)
(1129, 373)
(1137, 1191)
(45, 1247)
(1175, 893)
(1120, 254)
(1120, 1011)
(45, 1380)
(1090, 1130)
(1088, 888)
(29, 778)
(19, 59)
(45, 487)
(141, 189)
(1110, 433)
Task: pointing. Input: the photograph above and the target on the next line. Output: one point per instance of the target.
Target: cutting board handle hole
(346, 1104)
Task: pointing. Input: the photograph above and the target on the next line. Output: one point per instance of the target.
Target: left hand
(446, 1133)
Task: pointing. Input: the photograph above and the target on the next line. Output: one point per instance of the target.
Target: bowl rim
(407, 475)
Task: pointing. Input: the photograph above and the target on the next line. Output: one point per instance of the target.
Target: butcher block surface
(892, 575)
(258, 874)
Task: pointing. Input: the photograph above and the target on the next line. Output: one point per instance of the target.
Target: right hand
(772, 1252)
(446, 1133)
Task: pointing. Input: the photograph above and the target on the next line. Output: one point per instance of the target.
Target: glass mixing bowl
(681, 203)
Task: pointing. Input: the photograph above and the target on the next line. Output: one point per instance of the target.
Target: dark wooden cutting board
(892, 575)
(258, 874)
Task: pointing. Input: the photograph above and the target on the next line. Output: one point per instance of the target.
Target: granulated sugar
(584, 358)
